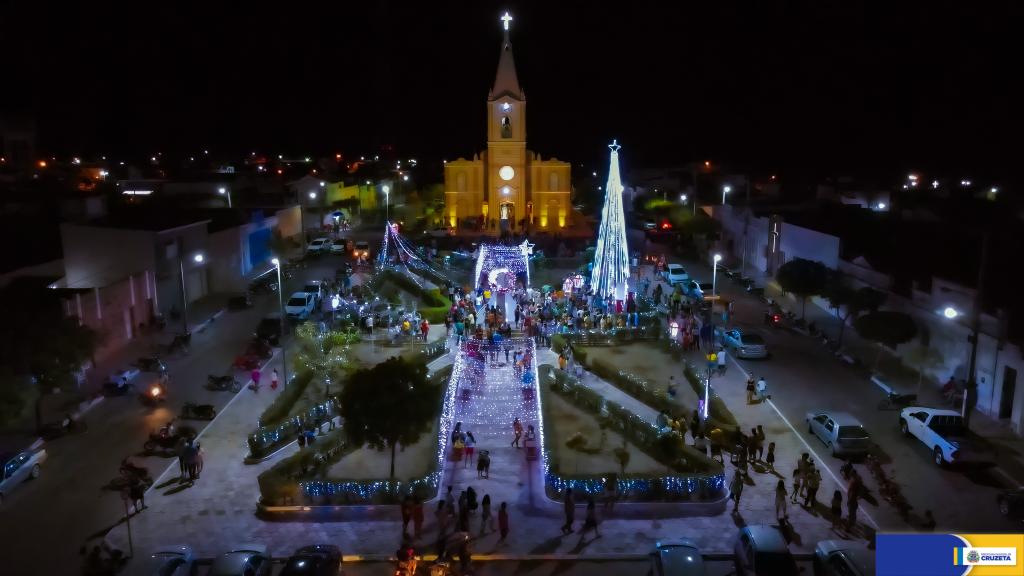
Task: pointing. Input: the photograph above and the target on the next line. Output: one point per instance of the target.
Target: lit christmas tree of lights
(610, 276)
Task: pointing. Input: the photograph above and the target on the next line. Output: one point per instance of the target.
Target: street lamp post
(198, 259)
(280, 304)
(725, 190)
(225, 192)
(714, 275)
(387, 202)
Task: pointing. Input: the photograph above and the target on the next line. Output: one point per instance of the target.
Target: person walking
(406, 515)
(770, 458)
(760, 441)
(694, 424)
(255, 379)
(736, 490)
(485, 515)
(273, 380)
(797, 482)
(417, 517)
(569, 507)
(503, 522)
(837, 509)
(590, 521)
(762, 390)
(750, 390)
(812, 484)
(721, 361)
(470, 444)
(851, 502)
(517, 428)
(137, 493)
(780, 500)
(752, 445)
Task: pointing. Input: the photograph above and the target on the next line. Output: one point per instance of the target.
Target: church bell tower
(506, 178)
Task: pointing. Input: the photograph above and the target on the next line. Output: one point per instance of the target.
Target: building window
(460, 182)
(506, 127)
(553, 181)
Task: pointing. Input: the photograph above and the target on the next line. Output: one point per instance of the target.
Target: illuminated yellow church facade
(507, 188)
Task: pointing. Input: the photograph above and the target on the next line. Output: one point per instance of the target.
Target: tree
(38, 340)
(804, 278)
(391, 403)
(325, 353)
(886, 327)
(849, 302)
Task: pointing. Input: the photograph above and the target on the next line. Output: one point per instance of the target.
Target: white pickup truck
(942, 431)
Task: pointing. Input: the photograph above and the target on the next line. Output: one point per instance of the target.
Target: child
(273, 380)
(770, 458)
(837, 509)
(503, 521)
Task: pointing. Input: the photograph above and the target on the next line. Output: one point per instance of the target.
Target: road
(67, 505)
(802, 376)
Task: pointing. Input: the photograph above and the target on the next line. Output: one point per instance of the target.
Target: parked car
(942, 431)
(761, 550)
(315, 560)
(318, 246)
(243, 560)
(650, 224)
(675, 274)
(745, 345)
(338, 247)
(17, 467)
(440, 232)
(362, 250)
(843, 558)
(841, 432)
(316, 288)
(300, 305)
(1011, 503)
(175, 560)
(269, 329)
(676, 558)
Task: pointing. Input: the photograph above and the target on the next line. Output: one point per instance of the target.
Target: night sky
(813, 87)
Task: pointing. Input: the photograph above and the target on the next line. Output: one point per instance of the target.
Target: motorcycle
(130, 473)
(225, 382)
(180, 342)
(165, 441)
(154, 394)
(193, 411)
(151, 364)
(112, 388)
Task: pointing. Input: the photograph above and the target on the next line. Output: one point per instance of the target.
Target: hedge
(279, 409)
(296, 479)
(633, 385)
(701, 476)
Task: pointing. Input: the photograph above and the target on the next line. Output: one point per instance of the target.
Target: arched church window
(506, 127)
(553, 181)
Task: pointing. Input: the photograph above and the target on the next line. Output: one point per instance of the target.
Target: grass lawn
(562, 420)
(649, 362)
(415, 461)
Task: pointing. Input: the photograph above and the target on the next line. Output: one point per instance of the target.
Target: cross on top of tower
(614, 146)
(505, 20)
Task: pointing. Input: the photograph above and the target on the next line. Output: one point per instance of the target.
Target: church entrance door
(507, 216)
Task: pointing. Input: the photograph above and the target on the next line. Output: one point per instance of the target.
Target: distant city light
(965, 182)
(707, 164)
(881, 205)
(322, 183)
(773, 176)
(993, 190)
(405, 178)
(935, 183)
(152, 158)
(306, 159)
(682, 197)
(42, 163)
(912, 177)
(76, 160)
(312, 195)
(950, 312)
(905, 186)
(198, 258)
(206, 151)
(222, 190)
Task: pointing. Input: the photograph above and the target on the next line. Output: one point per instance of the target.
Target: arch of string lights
(395, 246)
(497, 256)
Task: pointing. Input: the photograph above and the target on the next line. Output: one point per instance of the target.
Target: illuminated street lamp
(387, 201)
(714, 274)
(280, 304)
(950, 312)
(198, 259)
(725, 190)
(225, 192)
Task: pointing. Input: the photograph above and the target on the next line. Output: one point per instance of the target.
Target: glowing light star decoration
(500, 257)
(610, 277)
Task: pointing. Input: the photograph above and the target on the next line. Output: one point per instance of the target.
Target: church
(507, 188)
